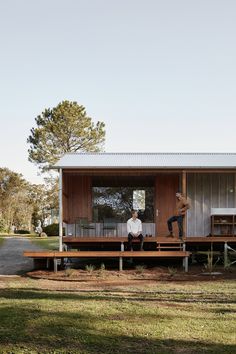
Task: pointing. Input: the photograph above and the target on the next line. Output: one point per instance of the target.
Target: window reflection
(117, 202)
(139, 200)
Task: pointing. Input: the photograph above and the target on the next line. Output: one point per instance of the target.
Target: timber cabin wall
(206, 191)
(65, 198)
(79, 201)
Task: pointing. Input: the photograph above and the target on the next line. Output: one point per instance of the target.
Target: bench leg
(55, 264)
(186, 264)
(120, 263)
(225, 255)
(184, 249)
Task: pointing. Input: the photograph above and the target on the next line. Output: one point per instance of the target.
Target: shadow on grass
(34, 293)
(46, 331)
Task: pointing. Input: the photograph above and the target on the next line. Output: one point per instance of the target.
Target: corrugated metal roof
(147, 160)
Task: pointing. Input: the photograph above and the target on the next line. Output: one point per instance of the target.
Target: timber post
(225, 255)
(184, 191)
(55, 264)
(185, 260)
(120, 263)
(60, 211)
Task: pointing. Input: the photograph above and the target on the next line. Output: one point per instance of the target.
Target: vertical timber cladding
(206, 191)
(166, 186)
(65, 196)
(79, 197)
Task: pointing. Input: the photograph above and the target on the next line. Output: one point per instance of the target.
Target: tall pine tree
(62, 129)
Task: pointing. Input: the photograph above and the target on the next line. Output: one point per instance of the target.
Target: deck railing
(98, 231)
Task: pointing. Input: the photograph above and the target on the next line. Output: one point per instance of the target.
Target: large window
(117, 203)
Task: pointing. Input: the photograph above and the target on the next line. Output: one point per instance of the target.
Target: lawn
(41, 316)
(49, 243)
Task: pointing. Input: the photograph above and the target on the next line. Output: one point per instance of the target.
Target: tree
(23, 204)
(62, 129)
(15, 205)
(42, 204)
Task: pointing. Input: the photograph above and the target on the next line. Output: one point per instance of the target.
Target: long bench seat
(55, 255)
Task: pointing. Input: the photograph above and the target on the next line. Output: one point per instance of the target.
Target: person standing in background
(182, 205)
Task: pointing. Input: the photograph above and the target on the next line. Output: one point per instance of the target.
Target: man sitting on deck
(134, 228)
(182, 206)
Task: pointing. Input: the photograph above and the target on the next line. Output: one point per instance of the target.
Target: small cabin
(98, 190)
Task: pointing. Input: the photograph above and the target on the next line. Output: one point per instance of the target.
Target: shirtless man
(182, 206)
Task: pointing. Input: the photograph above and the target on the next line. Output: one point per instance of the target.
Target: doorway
(166, 186)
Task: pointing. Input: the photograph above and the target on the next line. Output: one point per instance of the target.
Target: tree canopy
(23, 204)
(64, 128)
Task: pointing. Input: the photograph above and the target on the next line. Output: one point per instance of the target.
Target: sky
(161, 74)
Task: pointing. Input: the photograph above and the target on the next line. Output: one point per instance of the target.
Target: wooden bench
(55, 255)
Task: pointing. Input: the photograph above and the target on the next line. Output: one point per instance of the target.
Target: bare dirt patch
(108, 279)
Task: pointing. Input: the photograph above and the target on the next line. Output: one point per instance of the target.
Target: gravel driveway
(12, 261)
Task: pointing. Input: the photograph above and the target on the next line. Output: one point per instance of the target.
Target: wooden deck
(118, 239)
(210, 239)
(158, 240)
(221, 243)
(164, 247)
(159, 244)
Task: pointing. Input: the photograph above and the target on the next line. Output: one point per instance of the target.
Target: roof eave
(143, 167)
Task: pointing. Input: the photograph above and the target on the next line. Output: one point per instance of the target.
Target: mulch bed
(132, 276)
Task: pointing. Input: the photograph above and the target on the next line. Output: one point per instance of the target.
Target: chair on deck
(85, 225)
(109, 225)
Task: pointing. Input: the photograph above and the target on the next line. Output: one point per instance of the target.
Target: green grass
(49, 243)
(166, 318)
(17, 235)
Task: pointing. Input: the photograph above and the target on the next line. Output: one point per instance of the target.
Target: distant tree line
(23, 204)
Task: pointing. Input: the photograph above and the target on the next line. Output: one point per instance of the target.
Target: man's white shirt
(134, 226)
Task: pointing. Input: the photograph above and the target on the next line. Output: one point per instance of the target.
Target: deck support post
(184, 249)
(55, 264)
(120, 263)
(48, 262)
(186, 264)
(122, 247)
(60, 211)
(185, 260)
(225, 255)
(184, 191)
